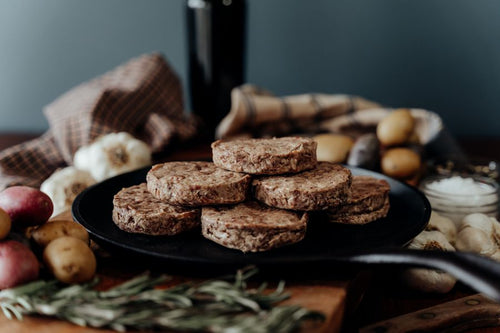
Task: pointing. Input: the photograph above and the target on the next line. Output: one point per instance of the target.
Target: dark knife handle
(455, 316)
(478, 272)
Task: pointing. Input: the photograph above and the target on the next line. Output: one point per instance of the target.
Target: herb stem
(211, 306)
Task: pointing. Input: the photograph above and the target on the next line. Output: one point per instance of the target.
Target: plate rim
(76, 214)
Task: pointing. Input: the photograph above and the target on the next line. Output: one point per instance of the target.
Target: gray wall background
(442, 55)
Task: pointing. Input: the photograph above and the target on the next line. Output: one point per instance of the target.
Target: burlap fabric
(142, 97)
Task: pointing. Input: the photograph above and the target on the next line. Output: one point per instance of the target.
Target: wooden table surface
(383, 299)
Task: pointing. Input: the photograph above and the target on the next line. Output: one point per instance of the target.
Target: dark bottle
(216, 46)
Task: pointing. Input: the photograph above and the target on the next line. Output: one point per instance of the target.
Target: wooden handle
(455, 316)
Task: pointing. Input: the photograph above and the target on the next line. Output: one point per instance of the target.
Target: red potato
(18, 264)
(26, 206)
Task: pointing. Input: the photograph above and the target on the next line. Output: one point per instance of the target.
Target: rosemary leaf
(135, 285)
(26, 289)
(23, 303)
(261, 288)
(210, 306)
(118, 327)
(74, 290)
(47, 309)
(76, 320)
(7, 310)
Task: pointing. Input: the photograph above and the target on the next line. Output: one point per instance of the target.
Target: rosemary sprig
(212, 306)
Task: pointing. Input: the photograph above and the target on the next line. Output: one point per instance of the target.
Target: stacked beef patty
(255, 196)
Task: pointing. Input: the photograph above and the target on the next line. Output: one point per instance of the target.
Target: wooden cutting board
(330, 296)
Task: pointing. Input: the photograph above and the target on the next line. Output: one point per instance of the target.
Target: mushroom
(112, 154)
(429, 280)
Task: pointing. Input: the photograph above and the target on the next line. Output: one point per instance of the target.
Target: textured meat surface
(252, 227)
(323, 187)
(265, 156)
(367, 194)
(362, 217)
(196, 184)
(136, 210)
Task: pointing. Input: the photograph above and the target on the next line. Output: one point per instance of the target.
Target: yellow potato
(333, 147)
(400, 162)
(70, 260)
(47, 232)
(5, 224)
(396, 128)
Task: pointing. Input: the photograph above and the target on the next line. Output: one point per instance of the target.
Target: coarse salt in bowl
(457, 196)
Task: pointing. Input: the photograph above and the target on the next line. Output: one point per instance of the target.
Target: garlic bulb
(64, 185)
(429, 280)
(112, 154)
(478, 221)
(496, 256)
(475, 240)
(479, 233)
(496, 229)
(431, 240)
(444, 225)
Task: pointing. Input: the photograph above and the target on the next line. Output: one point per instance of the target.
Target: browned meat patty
(265, 156)
(369, 201)
(196, 184)
(252, 227)
(323, 187)
(136, 210)
(362, 217)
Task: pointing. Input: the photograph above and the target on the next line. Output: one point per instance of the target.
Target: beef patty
(136, 210)
(265, 156)
(369, 201)
(252, 227)
(326, 186)
(196, 184)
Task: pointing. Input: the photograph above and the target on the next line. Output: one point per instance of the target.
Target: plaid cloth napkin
(142, 97)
